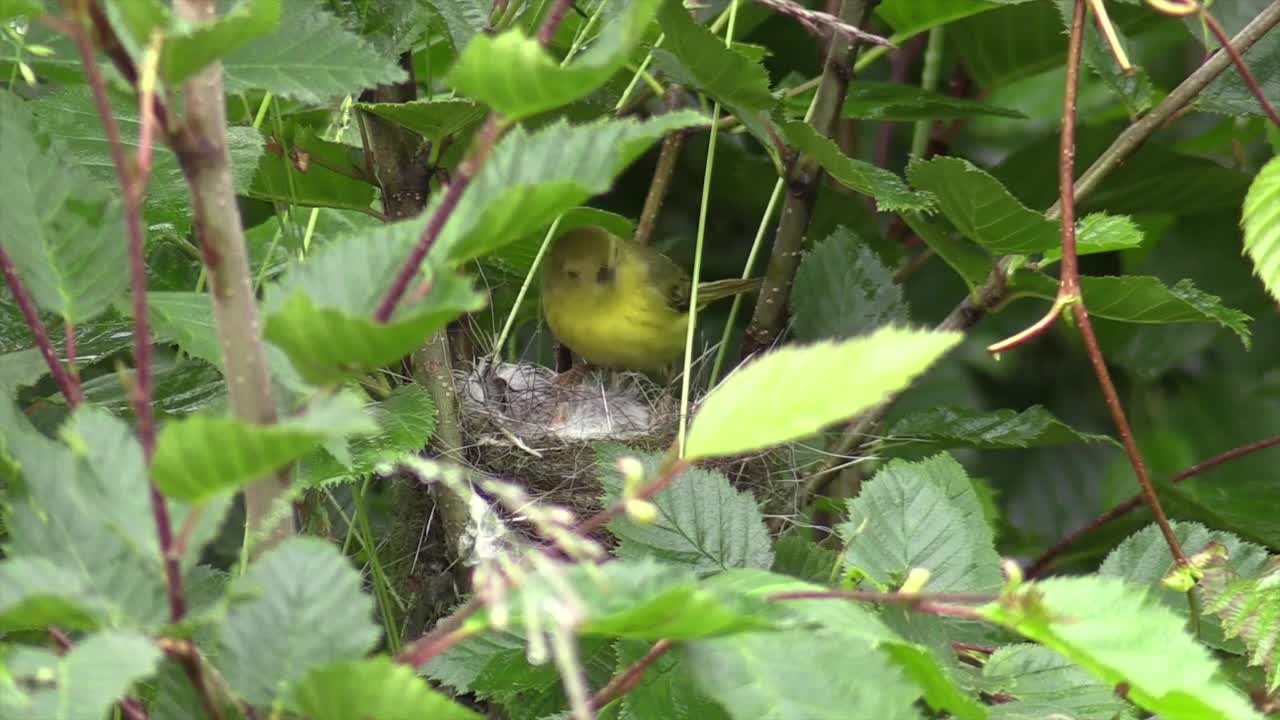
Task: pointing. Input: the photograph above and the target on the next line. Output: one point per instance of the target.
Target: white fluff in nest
(525, 400)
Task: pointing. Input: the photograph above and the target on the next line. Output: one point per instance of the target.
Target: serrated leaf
(532, 177)
(377, 687)
(890, 192)
(1261, 231)
(800, 557)
(1041, 683)
(304, 609)
(922, 515)
(36, 593)
(70, 115)
(643, 600)
(1099, 233)
(188, 47)
(200, 457)
(312, 58)
(406, 421)
(842, 290)
(1122, 636)
(1249, 608)
(949, 427)
(703, 523)
(1229, 93)
(463, 19)
(81, 685)
(898, 102)
(799, 384)
(63, 231)
(321, 311)
(333, 177)
(513, 75)
(982, 208)
(187, 319)
(1142, 299)
(666, 689)
(433, 119)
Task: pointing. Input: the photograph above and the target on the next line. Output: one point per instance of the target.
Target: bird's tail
(709, 292)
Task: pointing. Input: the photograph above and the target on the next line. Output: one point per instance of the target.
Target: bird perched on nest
(620, 304)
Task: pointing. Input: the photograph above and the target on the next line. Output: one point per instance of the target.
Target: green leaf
(513, 75)
(188, 48)
(312, 58)
(1121, 635)
(62, 230)
(35, 593)
(1141, 299)
(200, 457)
(69, 114)
(643, 600)
(799, 557)
(902, 103)
(332, 178)
(1099, 233)
(1261, 231)
(1042, 683)
(703, 523)
(378, 688)
(85, 509)
(842, 290)
(982, 208)
(890, 192)
(910, 17)
(922, 515)
(187, 319)
(797, 383)
(16, 8)
(970, 261)
(321, 311)
(532, 177)
(666, 690)
(463, 19)
(948, 427)
(405, 420)
(433, 119)
(1249, 609)
(81, 685)
(303, 609)
(517, 258)
(1229, 93)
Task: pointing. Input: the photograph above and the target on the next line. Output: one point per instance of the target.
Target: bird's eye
(573, 274)
(604, 275)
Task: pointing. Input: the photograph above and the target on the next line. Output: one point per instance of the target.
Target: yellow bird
(620, 304)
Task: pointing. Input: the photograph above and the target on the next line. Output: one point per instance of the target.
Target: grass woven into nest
(521, 426)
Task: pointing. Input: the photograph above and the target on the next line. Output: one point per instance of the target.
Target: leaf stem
(66, 382)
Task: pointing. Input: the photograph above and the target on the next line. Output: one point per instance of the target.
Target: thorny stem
(626, 681)
(467, 171)
(1043, 562)
(133, 184)
(66, 382)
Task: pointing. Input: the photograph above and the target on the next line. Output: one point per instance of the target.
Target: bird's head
(583, 259)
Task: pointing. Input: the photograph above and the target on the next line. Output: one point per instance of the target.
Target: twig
(626, 681)
(929, 604)
(1043, 562)
(66, 382)
(133, 185)
(824, 24)
(662, 175)
(770, 313)
(672, 469)
(1241, 67)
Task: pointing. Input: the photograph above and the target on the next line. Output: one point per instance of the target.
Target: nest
(523, 426)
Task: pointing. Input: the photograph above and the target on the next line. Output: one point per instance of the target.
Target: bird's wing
(668, 278)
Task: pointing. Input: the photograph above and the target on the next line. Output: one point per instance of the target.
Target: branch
(445, 635)
(771, 302)
(1043, 562)
(671, 470)
(69, 386)
(626, 681)
(824, 24)
(662, 175)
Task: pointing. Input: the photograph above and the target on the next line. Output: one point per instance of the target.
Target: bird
(620, 304)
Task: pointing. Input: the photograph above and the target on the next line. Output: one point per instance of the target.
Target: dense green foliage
(856, 523)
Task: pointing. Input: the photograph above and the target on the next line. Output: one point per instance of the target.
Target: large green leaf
(312, 57)
(1039, 683)
(321, 311)
(187, 319)
(334, 176)
(35, 593)
(842, 289)
(62, 229)
(1261, 231)
(982, 208)
(302, 609)
(376, 688)
(1141, 299)
(1248, 607)
(1121, 635)
(200, 457)
(405, 422)
(187, 47)
(799, 386)
(513, 75)
(666, 690)
(81, 685)
(703, 523)
(947, 427)
(890, 192)
(922, 515)
(532, 177)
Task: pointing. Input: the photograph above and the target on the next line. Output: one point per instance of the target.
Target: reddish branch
(133, 183)
(667, 476)
(1043, 562)
(443, 636)
(626, 681)
(66, 382)
(1241, 67)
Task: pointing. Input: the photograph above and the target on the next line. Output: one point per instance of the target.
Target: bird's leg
(573, 376)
